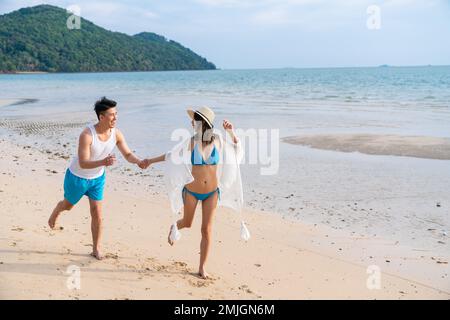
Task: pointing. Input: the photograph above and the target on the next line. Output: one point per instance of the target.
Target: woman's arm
(228, 126)
(157, 159)
(147, 162)
(163, 157)
(239, 152)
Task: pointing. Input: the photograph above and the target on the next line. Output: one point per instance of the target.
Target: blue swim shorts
(75, 188)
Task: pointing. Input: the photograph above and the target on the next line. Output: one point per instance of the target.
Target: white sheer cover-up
(178, 173)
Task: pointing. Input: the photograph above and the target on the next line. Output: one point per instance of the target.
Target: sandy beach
(285, 259)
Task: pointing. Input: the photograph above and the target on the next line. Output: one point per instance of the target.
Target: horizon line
(337, 67)
(225, 69)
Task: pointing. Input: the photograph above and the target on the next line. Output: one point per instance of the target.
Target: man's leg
(63, 205)
(96, 227)
(73, 191)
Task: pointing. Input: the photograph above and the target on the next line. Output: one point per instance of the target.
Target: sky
(248, 34)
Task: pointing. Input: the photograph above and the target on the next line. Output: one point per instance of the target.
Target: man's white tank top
(99, 150)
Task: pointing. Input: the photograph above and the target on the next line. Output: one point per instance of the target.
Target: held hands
(144, 164)
(109, 160)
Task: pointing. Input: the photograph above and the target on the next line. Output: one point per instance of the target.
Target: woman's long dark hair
(207, 133)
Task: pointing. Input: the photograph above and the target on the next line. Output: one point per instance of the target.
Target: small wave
(23, 101)
(330, 97)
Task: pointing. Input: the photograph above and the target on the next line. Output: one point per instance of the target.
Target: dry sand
(395, 145)
(283, 260)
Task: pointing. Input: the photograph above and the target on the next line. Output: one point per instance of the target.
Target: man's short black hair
(102, 105)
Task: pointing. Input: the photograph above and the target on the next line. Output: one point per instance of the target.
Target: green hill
(37, 39)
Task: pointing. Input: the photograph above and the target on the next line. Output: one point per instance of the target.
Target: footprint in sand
(56, 228)
(180, 265)
(200, 283)
(111, 256)
(161, 268)
(18, 229)
(246, 289)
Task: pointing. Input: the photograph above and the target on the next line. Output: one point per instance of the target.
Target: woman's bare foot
(168, 237)
(203, 274)
(97, 255)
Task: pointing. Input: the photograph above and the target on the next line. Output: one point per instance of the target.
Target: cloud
(111, 10)
(114, 10)
(406, 3)
(273, 17)
(231, 3)
(253, 3)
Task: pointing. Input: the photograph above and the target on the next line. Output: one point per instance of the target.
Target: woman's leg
(190, 204)
(208, 210)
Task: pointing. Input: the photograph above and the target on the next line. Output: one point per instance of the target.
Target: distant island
(37, 39)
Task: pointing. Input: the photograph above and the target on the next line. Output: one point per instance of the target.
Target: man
(86, 174)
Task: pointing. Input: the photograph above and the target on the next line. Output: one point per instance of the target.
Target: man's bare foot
(97, 255)
(168, 237)
(52, 220)
(203, 274)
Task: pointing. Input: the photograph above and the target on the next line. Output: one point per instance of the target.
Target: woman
(203, 168)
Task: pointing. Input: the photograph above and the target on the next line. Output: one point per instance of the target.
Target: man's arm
(84, 153)
(125, 150)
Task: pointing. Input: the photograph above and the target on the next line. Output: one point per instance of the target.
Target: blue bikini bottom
(200, 196)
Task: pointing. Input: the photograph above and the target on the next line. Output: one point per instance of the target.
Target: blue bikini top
(197, 158)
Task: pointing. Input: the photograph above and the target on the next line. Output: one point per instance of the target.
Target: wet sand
(37, 127)
(389, 145)
(7, 102)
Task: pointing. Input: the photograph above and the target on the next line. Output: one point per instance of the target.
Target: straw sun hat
(206, 113)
